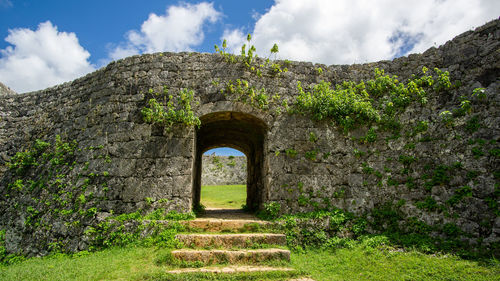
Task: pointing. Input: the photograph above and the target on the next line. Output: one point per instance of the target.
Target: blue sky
(99, 24)
(224, 151)
(45, 43)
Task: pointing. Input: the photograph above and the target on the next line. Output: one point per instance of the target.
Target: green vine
(346, 104)
(248, 58)
(173, 110)
(377, 100)
(258, 98)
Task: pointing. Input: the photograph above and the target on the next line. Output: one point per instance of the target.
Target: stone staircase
(231, 242)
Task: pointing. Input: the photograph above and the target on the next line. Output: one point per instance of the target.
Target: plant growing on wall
(248, 58)
(173, 110)
(345, 103)
(378, 100)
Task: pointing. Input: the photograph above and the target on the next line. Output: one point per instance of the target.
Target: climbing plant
(241, 91)
(172, 110)
(248, 58)
(346, 104)
(55, 187)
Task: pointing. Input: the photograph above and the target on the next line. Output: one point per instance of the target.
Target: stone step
(230, 269)
(242, 240)
(227, 256)
(221, 225)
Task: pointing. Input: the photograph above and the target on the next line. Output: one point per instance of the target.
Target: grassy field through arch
(223, 196)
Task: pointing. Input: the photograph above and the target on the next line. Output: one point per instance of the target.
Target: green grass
(129, 263)
(357, 263)
(223, 196)
(112, 264)
(361, 263)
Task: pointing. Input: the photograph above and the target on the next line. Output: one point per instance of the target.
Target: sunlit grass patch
(223, 196)
(359, 262)
(367, 263)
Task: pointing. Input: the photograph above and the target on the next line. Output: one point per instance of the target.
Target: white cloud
(42, 58)
(235, 39)
(356, 31)
(180, 29)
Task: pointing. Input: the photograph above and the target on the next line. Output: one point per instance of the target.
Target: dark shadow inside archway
(240, 131)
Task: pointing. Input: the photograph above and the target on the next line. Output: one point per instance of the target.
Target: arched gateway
(238, 130)
(435, 147)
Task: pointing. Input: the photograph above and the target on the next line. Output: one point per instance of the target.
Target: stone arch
(230, 127)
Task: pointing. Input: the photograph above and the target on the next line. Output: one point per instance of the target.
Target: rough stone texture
(236, 269)
(243, 240)
(238, 256)
(224, 170)
(151, 167)
(211, 248)
(4, 90)
(222, 225)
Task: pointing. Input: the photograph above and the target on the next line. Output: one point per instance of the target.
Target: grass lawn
(112, 264)
(358, 263)
(129, 263)
(223, 196)
(374, 264)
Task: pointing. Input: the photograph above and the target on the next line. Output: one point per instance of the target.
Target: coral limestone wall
(224, 170)
(430, 150)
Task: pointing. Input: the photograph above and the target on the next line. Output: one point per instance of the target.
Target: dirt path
(230, 214)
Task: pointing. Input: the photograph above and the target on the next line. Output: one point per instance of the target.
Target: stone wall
(124, 164)
(4, 90)
(224, 170)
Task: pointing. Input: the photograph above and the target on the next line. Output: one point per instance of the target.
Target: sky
(224, 151)
(45, 43)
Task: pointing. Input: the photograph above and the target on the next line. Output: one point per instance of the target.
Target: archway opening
(224, 179)
(241, 131)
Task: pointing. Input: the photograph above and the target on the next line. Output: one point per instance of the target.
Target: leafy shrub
(463, 192)
(248, 56)
(3, 252)
(495, 152)
(350, 104)
(428, 204)
(451, 229)
(440, 176)
(472, 125)
(347, 103)
(337, 243)
(477, 152)
(311, 155)
(447, 118)
(371, 135)
(406, 159)
(243, 92)
(290, 152)
(443, 80)
(270, 211)
(313, 137)
(28, 158)
(421, 127)
(374, 241)
(479, 92)
(128, 229)
(177, 110)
